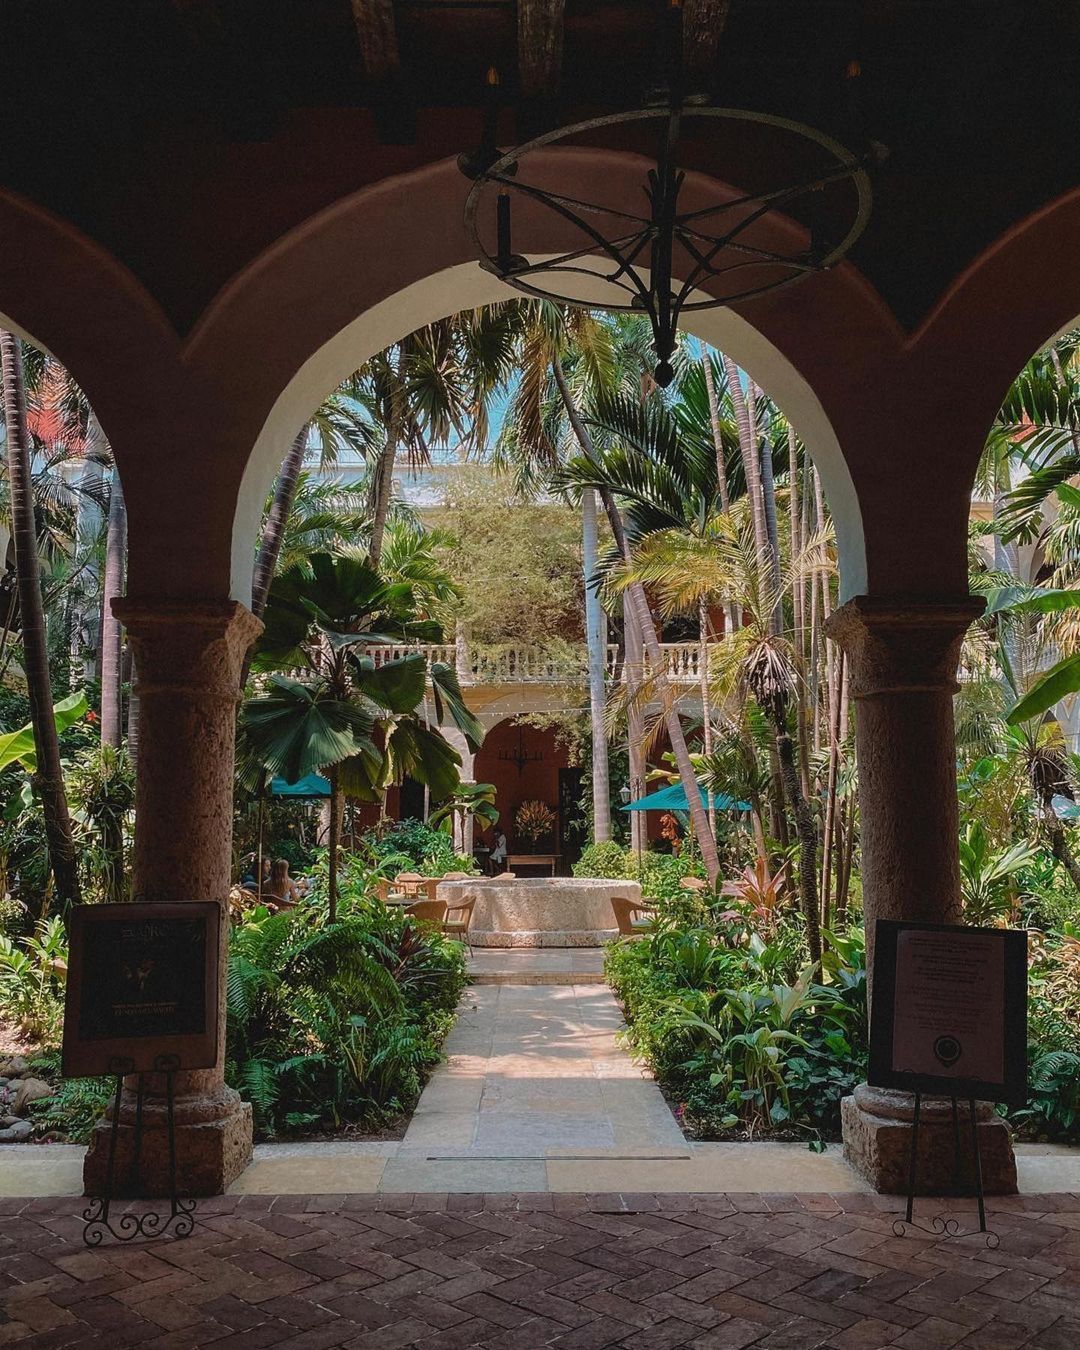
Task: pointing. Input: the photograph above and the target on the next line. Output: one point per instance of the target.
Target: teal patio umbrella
(312, 788)
(673, 798)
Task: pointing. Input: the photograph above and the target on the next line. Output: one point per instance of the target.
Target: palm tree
(1039, 424)
(112, 670)
(757, 662)
(647, 628)
(277, 518)
(341, 422)
(351, 716)
(674, 465)
(537, 438)
(433, 384)
(48, 778)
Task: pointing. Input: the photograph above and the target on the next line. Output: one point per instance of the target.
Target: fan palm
(352, 716)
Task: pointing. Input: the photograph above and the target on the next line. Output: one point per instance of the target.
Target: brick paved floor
(509, 1272)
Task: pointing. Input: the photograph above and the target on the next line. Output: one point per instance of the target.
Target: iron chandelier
(667, 260)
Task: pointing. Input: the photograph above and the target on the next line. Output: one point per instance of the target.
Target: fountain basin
(541, 911)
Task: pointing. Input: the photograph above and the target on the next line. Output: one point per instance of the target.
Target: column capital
(903, 644)
(188, 644)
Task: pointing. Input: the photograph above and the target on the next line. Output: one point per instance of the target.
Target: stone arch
(379, 264)
(465, 286)
(90, 312)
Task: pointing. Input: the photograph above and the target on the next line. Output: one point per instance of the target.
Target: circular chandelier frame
(642, 256)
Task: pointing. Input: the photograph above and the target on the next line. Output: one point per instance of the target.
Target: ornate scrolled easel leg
(150, 1224)
(942, 1225)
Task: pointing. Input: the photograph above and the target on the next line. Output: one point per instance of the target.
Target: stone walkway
(575, 1272)
(537, 965)
(533, 1072)
(537, 1095)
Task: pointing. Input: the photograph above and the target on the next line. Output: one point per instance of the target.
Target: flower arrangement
(534, 820)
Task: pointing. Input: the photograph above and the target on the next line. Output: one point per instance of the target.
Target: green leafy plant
(331, 1024)
(475, 800)
(988, 875)
(414, 846)
(737, 1030)
(32, 973)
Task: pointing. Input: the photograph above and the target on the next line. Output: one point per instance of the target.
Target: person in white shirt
(498, 853)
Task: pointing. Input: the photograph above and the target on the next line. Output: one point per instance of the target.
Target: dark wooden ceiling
(186, 135)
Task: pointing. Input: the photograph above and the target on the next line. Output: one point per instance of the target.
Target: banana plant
(467, 799)
(17, 747)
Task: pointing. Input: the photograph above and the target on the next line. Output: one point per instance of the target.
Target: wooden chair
(456, 876)
(382, 890)
(627, 925)
(427, 911)
(410, 884)
(458, 921)
(694, 884)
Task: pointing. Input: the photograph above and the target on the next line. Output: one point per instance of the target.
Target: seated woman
(281, 892)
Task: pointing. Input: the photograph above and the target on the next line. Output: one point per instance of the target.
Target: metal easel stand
(151, 1224)
(941, 1226)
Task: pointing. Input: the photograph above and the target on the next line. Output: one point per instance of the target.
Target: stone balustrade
(537, 665)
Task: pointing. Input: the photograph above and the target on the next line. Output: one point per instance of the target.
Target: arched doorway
(529, 767)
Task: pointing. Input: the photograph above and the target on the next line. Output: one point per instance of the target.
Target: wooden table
(533, 860)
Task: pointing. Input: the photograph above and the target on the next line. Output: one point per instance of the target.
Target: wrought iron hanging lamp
(521, 757)
(667, 260)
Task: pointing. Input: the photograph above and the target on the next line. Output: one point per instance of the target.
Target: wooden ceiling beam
(540, 47)
(376, 31)
(540, 54)
(703, 27)
(392, 101)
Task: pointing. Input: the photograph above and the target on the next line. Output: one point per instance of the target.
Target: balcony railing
(537, 665)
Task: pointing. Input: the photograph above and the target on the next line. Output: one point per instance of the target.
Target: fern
(335, 1022)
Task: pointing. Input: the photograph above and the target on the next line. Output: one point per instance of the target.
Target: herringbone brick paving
(647, 1272)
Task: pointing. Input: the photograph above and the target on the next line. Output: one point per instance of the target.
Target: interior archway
(466, 286)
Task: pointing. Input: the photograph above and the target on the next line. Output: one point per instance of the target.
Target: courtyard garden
(661, 563)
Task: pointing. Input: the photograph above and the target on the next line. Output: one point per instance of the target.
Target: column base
(213, 1146)
(877, 1144)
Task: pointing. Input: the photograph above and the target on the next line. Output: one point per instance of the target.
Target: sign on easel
(950, 1011)
(142, 986)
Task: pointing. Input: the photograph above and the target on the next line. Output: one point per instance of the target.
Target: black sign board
(142, 985)
(950, 1011)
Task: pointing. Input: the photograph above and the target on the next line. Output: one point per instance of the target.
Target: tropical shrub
(660, 876)
(988, 876)
(336, 1024)
(76, 1104)
(736, 1034)
(32, 972)
(411, 845)
(1052, 1111)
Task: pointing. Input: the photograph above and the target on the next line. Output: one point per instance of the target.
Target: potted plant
(534, 823)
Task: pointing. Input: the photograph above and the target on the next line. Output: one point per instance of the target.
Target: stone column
(463, 830)
(903, 656)
(188, 658)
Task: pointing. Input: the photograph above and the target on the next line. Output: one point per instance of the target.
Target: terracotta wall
(537, 780)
